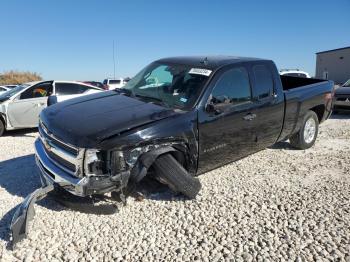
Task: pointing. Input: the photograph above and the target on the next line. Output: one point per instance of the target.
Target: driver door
(225, 127)
(24, 110)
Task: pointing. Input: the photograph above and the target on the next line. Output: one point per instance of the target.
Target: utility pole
(113, 61)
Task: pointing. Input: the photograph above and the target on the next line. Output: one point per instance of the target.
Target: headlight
(93, 164)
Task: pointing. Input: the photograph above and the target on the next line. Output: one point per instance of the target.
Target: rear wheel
(307, 134)
(2, 127)
(168, 170)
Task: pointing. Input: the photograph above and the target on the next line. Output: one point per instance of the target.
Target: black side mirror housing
(212, 109)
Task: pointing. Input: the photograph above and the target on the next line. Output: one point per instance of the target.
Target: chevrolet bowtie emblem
(46, 143)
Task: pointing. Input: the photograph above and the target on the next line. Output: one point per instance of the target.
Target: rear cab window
(264, 85)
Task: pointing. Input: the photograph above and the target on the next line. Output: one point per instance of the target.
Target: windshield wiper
(160, 101)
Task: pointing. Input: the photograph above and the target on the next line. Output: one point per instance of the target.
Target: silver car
(20, 107)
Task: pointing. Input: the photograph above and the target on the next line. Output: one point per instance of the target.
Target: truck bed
(291, 82)
(301, 95)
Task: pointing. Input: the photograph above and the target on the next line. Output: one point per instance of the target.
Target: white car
(3, 89)
(294, 72)
(114, 83)
(20, 107)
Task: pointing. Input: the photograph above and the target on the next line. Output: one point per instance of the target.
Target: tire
(175, 176)
(2, 127)
(307, 134)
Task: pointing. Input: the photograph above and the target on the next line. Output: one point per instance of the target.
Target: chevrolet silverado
(178, 118)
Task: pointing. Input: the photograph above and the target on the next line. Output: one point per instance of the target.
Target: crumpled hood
(342, 90)
(86, 121)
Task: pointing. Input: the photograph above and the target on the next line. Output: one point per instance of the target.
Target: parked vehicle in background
(294, 72)
(97, 84)
(10, 86)
(20, 107)
(3, 89)
(342, 98)
(114, 83)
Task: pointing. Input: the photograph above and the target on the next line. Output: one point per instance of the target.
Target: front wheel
(307, 134)
(175, 176)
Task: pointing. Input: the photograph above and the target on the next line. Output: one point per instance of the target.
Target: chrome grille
(65, 156)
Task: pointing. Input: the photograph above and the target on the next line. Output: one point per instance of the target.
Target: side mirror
(212, 109)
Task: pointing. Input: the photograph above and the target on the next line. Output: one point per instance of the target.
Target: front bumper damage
(25, 213)
(50, 173)
(51, 176)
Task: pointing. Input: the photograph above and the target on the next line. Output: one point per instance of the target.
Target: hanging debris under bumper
(25, 212)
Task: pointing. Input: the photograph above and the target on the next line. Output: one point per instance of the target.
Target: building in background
(333, 64)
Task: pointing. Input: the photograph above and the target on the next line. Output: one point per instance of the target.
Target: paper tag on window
(200, 71)
(184, 100)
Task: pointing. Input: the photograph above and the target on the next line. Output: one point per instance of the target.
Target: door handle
(40, 104)
(249, 117)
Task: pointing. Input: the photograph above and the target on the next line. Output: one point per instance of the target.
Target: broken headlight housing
(93, 163)
(132, 155)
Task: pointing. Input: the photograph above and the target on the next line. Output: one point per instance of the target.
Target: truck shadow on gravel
(21, 133)
(282, 145)
(18, 176)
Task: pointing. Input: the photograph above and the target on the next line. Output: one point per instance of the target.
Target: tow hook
(25, 213)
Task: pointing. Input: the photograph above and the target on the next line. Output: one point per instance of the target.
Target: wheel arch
(319, 110)
(146, 160)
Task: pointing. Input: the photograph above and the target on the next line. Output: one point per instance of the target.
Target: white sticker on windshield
(184, 100)
(200, 71)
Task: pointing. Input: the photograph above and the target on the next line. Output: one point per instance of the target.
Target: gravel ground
(278, 204)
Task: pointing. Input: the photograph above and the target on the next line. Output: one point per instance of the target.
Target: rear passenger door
(225, 130)
(269, 105)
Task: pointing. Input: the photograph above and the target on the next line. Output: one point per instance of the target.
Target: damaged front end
(83, 173)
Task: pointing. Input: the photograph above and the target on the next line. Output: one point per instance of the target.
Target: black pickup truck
(178, 118)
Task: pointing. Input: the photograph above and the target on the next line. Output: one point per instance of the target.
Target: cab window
(263, 82)
(37, 91)
(233, 88)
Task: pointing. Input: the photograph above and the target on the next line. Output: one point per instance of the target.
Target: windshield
(347, 83)
(12, 91)
(173, 85)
